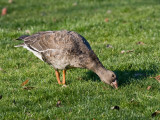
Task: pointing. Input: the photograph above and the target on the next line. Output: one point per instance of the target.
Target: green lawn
(85, 97)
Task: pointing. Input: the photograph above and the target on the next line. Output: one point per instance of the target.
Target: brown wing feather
(57, 40)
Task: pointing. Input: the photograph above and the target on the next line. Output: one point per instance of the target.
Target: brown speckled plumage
(63, 50)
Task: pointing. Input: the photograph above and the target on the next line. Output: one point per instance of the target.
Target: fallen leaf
(140, 43)
(109, 11)
(155, 113)
(157, 78)
(109, 46)
(106, 20)
(4, 11)
(115, 107)
(0, 96)
(19, 29)
(28, 88)
(29, 114)
(74, 4)
(149, 87)
(134, 102)
(1, 69)
(64, 86)
(24, 83)
(10, 1)
(130, 51)
(123, 51)
(58, 103)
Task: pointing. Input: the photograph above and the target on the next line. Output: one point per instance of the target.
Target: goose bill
(114, 84)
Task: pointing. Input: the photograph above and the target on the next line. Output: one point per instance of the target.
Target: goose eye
(112, 75)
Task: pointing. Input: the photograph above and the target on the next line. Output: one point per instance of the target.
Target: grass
(130, 21)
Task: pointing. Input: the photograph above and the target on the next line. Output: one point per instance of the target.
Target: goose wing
(48, 40)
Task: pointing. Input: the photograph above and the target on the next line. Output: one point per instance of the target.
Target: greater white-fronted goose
(66, 49)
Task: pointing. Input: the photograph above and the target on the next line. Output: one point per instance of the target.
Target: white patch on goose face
(34, 52)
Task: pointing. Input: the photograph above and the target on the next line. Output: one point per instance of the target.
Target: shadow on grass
(124, 77)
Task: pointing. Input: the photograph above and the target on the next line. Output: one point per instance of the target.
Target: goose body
(66, 49)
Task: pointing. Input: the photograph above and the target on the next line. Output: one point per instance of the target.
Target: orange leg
(64, 80)
(58, 76)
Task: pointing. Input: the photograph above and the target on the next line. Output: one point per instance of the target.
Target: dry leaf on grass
(4, 11)
(74, 4)
(123, 51)
(128, 51)
(115, 107)
(134, 102)
(58, 103)
(109, 11)
(1, 69)
(157, 78)
(64, 86)
(29, 114)
(10, 1)
(19, 29)
(149, 87)
(106, 19)
(140, 43)
(155, 113)
(24, 83)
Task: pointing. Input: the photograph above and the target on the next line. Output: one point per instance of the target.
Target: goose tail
(22, 37)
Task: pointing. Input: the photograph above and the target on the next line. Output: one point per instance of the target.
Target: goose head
(109, 77)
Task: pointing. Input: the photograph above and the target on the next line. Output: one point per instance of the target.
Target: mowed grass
(85, 97)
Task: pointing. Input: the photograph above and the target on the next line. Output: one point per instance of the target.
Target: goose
(65, 50)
